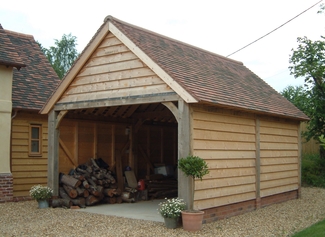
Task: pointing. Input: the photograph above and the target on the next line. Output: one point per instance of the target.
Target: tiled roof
(8, 54)
(209, 77)
(33, 84)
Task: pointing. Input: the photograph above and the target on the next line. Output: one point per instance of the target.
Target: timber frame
(181, 113)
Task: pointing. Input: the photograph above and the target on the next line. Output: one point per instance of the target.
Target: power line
(274, 29)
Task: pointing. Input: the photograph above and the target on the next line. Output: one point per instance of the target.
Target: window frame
(31, 139)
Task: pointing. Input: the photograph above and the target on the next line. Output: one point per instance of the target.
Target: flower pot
(171, 223)
(43, 203)
(192, 220)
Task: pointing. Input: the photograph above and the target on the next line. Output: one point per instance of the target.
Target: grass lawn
(316, 230)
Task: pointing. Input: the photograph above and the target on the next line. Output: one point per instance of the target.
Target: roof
(8, 53)
(207, 77)
(33, 84)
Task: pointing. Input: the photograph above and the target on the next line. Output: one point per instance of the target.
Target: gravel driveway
(284, 219)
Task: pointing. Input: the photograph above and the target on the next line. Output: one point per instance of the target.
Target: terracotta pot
(192, 220)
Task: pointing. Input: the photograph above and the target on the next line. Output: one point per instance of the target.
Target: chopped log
(82, 192)
(129, 200)
(80, 201)
(70, 191)
(69, 180)
(63, 193)
(91, 182)
(100, 188)
(93, 190)
(79, 177)
(109, 200)
(85, 184)
(110, 177)
(91, 200)
(60, 202)
(84, 172)
(94, 162)
(99, 175)
(109, 192)
(89, 169)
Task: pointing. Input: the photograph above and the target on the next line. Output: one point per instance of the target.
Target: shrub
(313, 170)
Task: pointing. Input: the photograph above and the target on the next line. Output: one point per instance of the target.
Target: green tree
(62, 55)
(308, 62)
(298, 96)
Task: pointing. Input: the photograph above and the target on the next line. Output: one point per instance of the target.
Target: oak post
(185, 184)
(53, 153)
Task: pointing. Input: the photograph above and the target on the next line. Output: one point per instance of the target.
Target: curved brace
(173, 109)
(60, 117)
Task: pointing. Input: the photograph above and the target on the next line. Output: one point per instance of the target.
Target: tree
(308, 61)
(62, 55)
(298, 96)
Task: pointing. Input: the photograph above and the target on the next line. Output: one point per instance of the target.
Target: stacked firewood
(87, 185)
(160, 187)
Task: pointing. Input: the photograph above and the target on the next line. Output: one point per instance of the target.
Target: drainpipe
(12, 117)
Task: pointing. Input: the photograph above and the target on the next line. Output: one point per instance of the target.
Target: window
(35, 140)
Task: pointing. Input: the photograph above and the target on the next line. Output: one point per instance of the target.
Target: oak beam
(121, 101)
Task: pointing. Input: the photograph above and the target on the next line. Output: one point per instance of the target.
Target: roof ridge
(109, 17)
(19, 34)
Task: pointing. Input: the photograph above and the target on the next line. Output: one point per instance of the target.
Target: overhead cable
(274, 29)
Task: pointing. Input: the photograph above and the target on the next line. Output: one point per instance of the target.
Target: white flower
(172, 208)
(40, 192)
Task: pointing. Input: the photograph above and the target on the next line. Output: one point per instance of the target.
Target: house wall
(27, 170)
(6, 191)
(253, 160)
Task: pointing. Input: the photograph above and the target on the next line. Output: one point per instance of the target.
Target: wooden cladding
(28, 166)
(233, 146)
(279, 157)
(113, 71)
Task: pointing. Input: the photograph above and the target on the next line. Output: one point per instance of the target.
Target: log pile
(87, 185)
(161, 187)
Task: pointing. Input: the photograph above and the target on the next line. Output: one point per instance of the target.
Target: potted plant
(170, 210)
(41, 194)
(194, 167)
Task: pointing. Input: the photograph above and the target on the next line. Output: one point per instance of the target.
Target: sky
(219, 26)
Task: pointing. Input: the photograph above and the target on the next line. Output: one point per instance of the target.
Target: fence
(310, 147)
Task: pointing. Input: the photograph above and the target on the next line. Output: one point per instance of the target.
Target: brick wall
(222, 212)
(6, 188)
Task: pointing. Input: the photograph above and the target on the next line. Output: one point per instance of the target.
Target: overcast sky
(219, 26)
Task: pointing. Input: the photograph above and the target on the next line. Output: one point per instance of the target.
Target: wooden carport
(133, 80)
(246, 131)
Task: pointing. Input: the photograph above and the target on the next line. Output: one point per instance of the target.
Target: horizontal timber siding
(227, 143)
(27, 170)
(279, 157)
(113, 71)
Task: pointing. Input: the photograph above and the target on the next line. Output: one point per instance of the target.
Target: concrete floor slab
(143, 210)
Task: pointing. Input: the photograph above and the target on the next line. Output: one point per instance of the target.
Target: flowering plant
(40, 192)
(171, 208)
